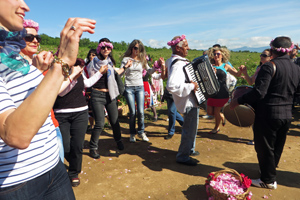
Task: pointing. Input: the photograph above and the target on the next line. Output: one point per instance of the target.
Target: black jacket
(273, 96)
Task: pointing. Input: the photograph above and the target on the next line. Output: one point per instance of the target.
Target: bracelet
(124, 68)
(65, 66)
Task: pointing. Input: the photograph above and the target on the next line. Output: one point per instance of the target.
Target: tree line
(86, 42)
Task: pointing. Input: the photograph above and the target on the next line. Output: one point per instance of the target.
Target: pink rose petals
(227, 184)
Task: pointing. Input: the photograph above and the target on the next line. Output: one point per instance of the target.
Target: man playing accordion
(184, 99)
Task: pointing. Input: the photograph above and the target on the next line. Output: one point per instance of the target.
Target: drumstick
(237, 117)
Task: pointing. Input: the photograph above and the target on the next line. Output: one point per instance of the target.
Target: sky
(231, 23)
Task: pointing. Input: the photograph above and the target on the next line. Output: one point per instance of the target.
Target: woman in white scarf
(104, 94)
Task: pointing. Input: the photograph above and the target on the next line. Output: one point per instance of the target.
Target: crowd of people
(46, 104)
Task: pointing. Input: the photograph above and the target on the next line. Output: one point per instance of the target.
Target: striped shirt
(18, 166)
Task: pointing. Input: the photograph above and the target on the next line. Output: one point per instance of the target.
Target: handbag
(120, 83)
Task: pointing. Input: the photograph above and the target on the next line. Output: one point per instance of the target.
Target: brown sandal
(75, 182)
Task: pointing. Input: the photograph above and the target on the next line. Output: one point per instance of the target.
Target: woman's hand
(70, 37)
(164, 73)
(128, 64)
(103, 69)
(43, 60)
(161, 62)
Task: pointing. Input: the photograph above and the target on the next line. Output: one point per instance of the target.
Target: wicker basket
(123, 110)
(221, 196)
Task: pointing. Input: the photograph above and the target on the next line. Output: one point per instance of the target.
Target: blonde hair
(142, 52)
(224, 51)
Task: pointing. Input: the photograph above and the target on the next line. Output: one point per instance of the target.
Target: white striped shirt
(18, 166)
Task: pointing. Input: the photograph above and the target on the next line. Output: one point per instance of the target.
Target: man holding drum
(183, 99)
(275, 86)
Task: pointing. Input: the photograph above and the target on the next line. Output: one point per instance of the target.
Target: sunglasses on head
(108, 48)
(264, 55)
(30, 38)
(135, 48)
(217, 54)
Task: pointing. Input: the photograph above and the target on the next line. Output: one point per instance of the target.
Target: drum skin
(242, 115)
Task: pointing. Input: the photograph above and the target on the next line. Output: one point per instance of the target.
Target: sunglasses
(264, 55)
(30, 38)
(135, 48)
(103, 48)
(217, 54)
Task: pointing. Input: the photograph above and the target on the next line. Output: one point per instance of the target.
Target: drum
(242, 115)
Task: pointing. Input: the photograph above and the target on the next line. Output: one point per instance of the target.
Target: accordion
(201, 71)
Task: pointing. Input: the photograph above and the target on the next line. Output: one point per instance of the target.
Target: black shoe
(75, 182)
(94, 154)
(224, 122)
(120, 145)
(168, 137)
(190, 162)
(195, 153)
(155, 119)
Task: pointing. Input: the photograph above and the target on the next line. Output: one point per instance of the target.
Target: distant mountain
(258, 49)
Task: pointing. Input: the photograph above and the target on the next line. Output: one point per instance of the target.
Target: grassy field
(250, 59)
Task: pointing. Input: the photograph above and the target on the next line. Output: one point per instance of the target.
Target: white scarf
(96, 64)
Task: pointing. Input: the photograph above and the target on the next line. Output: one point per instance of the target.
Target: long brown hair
(142, 52)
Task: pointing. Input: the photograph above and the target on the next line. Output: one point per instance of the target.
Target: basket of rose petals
(228, 184)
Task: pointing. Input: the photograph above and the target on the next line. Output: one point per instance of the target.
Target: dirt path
(147, 170)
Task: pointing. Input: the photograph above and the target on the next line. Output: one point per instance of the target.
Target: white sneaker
(261, 184)
(132, 138)
(207, 117)
(144, 137)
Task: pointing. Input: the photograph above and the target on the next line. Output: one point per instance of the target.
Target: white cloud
(156, 43)
(231, 43)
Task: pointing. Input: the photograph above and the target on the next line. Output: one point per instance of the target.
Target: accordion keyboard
(200, 71)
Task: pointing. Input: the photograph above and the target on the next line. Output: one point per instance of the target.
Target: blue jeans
(135, 94)
(189, 134)
(60, 144)
(54, 184)
(173, 116)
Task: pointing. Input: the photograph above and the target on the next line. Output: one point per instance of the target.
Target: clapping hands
(243, 69)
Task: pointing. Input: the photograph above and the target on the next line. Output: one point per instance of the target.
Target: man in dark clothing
(275, 86)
